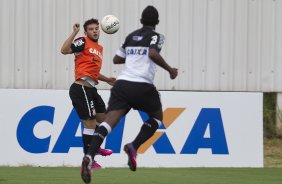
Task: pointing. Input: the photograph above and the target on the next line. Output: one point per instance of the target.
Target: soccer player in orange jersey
(88, 104)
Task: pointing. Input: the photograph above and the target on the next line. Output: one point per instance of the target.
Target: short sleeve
(78, 45)
(121, 51)
(157, 41)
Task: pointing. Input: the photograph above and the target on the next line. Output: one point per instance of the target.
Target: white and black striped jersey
(138, 66)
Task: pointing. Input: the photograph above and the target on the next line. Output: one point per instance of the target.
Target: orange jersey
(88, 58)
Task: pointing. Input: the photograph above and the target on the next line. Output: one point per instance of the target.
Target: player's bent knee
(91, 124)
(154, 122)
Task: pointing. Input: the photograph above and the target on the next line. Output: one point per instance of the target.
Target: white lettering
(78, 43)
(96, 52)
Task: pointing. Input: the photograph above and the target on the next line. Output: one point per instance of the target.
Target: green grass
(62, 175)
(271, 174)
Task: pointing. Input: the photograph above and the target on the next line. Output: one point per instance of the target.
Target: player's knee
(90, 124)
(157, 115)
(100, 117)
(153, 123)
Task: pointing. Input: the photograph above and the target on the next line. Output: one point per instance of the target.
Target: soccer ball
(110, 24)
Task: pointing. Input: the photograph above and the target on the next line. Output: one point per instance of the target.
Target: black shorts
(86, 101)
(137, 95)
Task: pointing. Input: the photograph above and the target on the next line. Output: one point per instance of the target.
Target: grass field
(273, 153)
(271, 174)
(32, 175)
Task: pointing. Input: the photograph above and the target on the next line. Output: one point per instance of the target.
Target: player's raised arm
(66, 48)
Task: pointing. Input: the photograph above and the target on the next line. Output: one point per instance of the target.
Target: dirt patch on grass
(273, 152)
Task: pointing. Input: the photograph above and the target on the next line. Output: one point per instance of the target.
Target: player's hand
(111, 81)
(76, 27)
(173, 73)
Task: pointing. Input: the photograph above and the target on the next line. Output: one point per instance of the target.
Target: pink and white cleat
(95, 165)
(104, 152)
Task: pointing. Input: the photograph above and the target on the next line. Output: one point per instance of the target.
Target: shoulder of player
(100, 46)
(134, 33)
(153, 32)
(130, 35)
(160, 36)
(80, 38)
(79, 41)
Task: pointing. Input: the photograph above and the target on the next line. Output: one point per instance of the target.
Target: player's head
(150, 16)
(91, 29)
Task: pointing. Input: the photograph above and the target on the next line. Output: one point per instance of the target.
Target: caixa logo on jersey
(207, 118)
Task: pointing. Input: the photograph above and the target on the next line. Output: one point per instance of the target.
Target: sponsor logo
(136, 51)
(112, 25)
(96, 52)
(78, 43)
(208, 119)
(137, 38)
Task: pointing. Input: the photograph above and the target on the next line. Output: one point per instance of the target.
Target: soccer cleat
(95, 165)
(104, 152)
(85, 170)
(131, 153)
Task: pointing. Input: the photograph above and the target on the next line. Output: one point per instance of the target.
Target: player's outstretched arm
(158, 59)
(66, 48)
(109, 80)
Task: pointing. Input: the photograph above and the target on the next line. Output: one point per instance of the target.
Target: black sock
(87, 135)
(86, 139)
(147, 130)
(98, 138)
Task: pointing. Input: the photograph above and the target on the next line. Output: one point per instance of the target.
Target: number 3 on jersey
(154, 40)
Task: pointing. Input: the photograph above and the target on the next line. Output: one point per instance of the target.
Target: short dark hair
(90, 21)
(150, 16)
